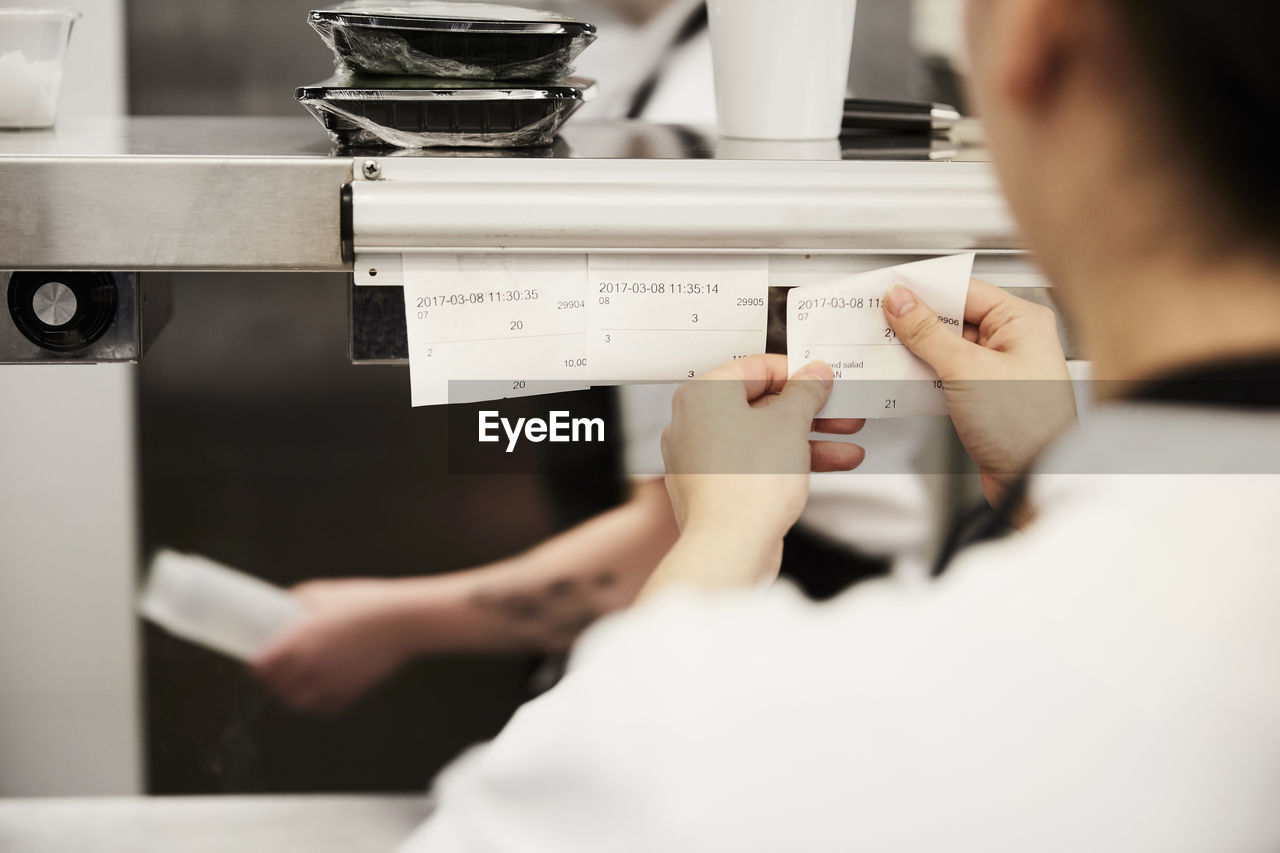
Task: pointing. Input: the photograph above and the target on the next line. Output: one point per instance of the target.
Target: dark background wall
(263, 448)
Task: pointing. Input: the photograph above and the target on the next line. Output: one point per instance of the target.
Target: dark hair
(1216, 67)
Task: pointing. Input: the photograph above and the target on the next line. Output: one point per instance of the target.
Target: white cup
(782, 68)
(33, 46)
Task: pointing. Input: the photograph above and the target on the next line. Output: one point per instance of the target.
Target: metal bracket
(663, 206)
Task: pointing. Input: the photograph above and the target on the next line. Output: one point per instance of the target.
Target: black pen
(899, 116)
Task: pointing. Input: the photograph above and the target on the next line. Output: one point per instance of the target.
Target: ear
(1036, 48)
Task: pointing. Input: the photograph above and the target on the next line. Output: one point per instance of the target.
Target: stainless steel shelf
(142, 194)
(264, 194)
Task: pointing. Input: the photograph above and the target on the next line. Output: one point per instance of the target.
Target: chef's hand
(349, 638)
(1006, 380)
(739, 454)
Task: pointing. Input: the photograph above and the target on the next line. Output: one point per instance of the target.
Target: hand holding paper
(844, 324)
(739, 455)
(1006, 381)
(214, 606)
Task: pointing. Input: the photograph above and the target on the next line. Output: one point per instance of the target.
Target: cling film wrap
(360, 131)
(467, 10)
(386, 51)
(439, 38)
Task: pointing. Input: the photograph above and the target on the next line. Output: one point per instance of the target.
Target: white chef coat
(1105, 681)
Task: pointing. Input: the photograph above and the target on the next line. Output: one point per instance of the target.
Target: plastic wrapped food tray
(467, 41)
(423, 113)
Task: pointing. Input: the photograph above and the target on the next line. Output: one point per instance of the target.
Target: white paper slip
(842, 322)
(489, 327)
(215, 607)
(671, 318)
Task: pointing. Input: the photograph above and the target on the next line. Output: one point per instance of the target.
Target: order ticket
(491, 327)
(671, 318)
(842, 322)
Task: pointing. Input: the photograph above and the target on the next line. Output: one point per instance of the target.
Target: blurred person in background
(1103, 678)
(653, 61)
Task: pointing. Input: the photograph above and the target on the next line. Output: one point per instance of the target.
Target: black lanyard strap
(694, 26)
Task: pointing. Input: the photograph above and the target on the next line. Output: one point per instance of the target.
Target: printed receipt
(670, 318)
(843, 324)
(491, 327)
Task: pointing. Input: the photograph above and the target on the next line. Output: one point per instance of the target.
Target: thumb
(808, 391)
(920, 329)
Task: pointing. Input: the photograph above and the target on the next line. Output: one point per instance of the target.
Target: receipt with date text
(670, 318)
(491, 327)
(842, 322)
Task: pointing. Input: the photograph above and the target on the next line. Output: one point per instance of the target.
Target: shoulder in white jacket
(1106, 681)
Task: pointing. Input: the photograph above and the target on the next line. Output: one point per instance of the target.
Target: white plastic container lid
(214, 606)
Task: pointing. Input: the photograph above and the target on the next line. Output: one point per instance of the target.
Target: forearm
(715, 558)
(541, 600)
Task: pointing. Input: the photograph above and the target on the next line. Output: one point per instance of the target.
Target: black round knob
(62, 311)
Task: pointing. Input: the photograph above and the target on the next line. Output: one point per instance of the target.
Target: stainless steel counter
(140, 194)
(210, 824)
(264, 194)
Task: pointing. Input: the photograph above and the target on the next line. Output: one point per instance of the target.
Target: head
(1129, 129)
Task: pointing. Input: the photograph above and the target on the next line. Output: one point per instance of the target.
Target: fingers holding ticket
(843, 323)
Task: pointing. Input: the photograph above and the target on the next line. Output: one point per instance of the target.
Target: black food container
(467, 41)
(362, 112)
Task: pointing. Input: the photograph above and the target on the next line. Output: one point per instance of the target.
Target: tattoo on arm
(556, 613)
